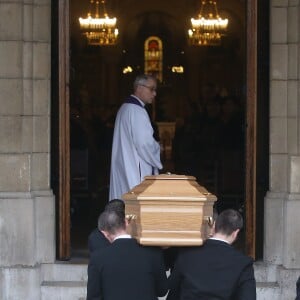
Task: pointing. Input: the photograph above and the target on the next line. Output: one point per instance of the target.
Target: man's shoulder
(126, 242)
(128, 110)
(97, 255)
(131, 104)
(93, 233)
(223, 246)
(216, 248)
(96, 240)
(96, 234)
(130, 107)
(133, 245)
(151, 250)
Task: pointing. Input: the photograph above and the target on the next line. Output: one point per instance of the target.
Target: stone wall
(27, 221)
(27, 212)
(282, 202)
(283, 199)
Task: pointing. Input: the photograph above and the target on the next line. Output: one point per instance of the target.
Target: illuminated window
(153, 57)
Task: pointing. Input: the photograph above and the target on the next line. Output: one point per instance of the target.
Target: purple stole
(133, 100)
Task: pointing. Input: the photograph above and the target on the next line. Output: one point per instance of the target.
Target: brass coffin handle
(209, 220)
(130, 217)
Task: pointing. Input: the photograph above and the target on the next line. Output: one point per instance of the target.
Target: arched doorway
(109, 62)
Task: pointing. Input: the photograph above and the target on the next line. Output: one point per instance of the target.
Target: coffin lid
(169, 187)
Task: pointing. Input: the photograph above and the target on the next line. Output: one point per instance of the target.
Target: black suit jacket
(298, 289)
(126, 271)
(97, 240)
(212, 271)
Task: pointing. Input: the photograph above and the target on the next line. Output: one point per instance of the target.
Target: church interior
(199, 115)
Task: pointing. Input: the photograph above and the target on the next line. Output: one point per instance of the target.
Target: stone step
(63, 290)
(61, 271)
(268, 291)
(76, 290)
(267, 287)
(265, 272)
(64, 280)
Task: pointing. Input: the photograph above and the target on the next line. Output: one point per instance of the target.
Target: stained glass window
(154, 57)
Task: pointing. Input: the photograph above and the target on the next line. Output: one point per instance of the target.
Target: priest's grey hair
(142, 79)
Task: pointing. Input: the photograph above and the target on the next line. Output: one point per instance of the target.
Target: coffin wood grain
(169, 210)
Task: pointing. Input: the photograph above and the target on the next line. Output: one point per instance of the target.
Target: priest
(135, 152)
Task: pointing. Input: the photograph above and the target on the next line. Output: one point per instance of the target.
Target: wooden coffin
(169, 210)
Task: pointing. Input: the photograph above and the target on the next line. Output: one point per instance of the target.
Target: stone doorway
(63, 156)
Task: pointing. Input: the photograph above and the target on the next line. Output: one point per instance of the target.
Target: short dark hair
(115, 205)
(111, 221)
(228, 221)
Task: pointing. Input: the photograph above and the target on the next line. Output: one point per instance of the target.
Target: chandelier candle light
(99, 31)
(209, 27)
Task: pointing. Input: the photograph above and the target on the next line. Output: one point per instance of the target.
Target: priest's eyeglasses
(151, 88)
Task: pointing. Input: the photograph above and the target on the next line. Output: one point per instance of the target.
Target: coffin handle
(209, 220)
(130, 217)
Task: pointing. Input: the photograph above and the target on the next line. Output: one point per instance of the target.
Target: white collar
(217, 239)
(123, 236)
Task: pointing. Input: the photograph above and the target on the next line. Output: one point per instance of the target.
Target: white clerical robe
(135, 153)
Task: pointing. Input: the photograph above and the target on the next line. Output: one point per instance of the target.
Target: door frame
(251, 128)
(63, 194)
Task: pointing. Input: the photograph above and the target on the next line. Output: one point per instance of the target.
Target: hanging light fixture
(99, 28)
(209, 27)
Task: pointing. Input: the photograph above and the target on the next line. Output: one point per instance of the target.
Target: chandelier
(99, 28)
(208, 28)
